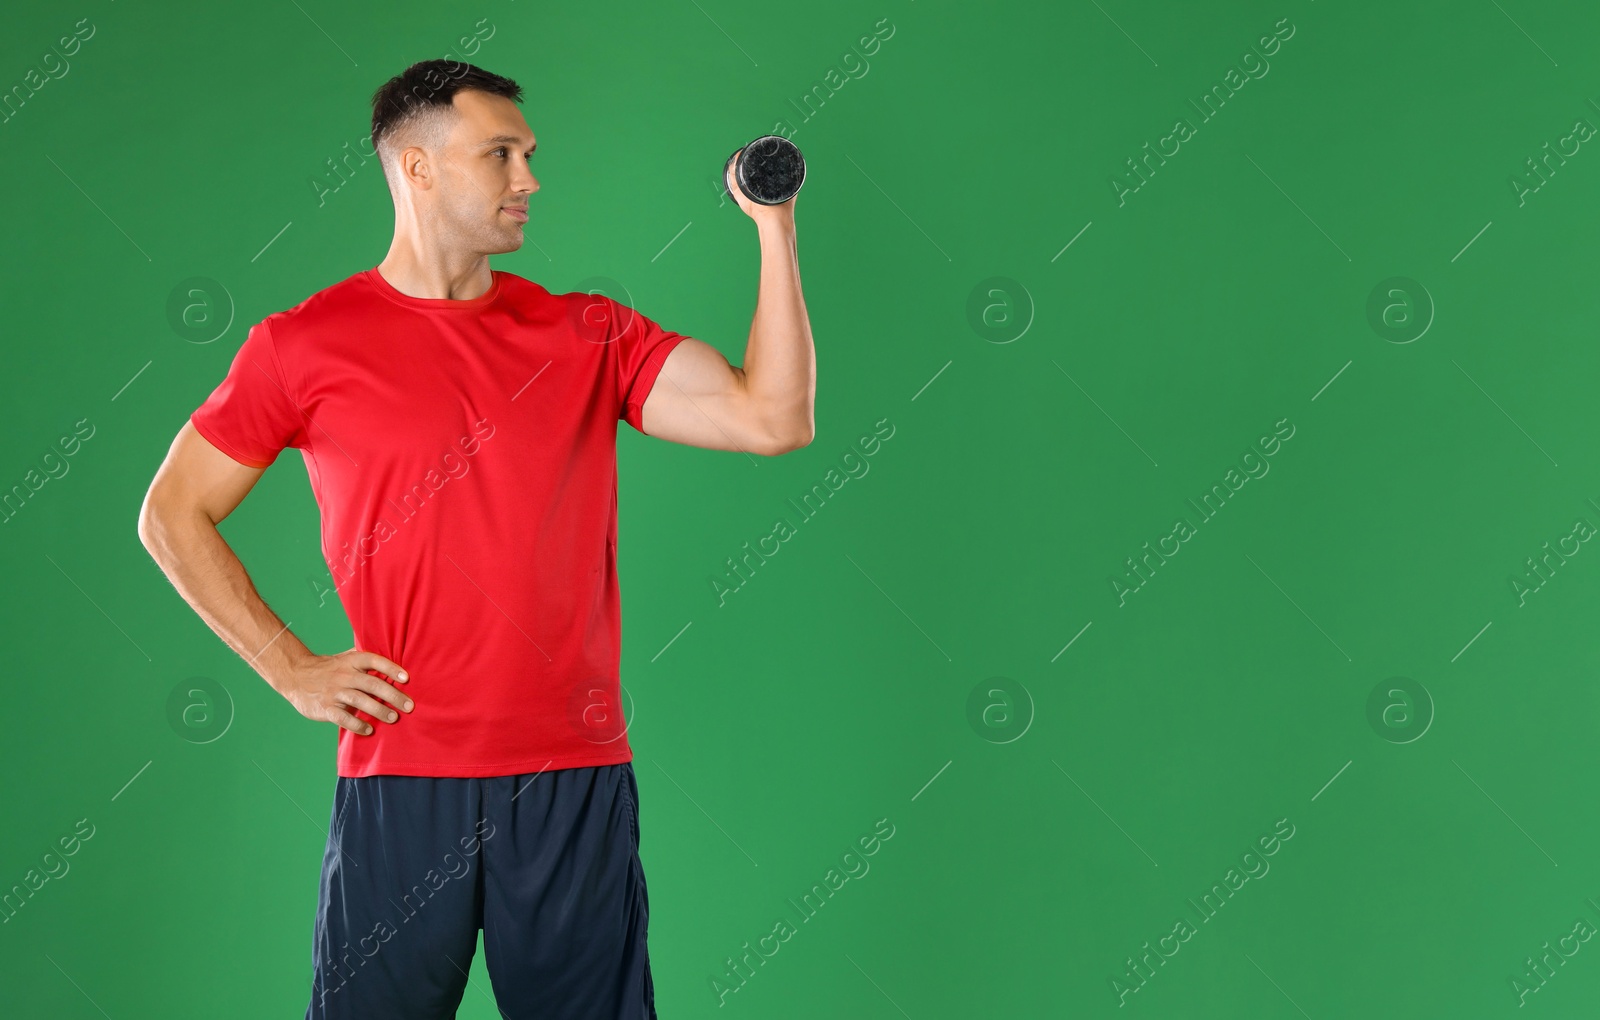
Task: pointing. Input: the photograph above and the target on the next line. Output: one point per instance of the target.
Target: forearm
(780, 372)
(208, 574)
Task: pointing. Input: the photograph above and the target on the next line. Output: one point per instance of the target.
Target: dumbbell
(769, 171)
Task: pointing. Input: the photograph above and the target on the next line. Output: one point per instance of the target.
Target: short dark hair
(417, 104)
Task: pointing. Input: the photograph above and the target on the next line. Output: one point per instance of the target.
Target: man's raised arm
(767, 406)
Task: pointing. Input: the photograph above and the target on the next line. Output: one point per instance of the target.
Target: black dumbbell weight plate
(770, 170)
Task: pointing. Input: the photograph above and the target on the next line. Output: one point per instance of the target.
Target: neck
(435, 275)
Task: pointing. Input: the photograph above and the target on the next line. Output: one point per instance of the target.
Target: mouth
(516, 212)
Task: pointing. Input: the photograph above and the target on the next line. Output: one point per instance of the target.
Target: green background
(1159, 739)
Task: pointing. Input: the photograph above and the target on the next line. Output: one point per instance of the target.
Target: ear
(416, 167)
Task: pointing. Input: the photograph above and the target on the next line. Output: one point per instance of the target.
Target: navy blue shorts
(546, 864)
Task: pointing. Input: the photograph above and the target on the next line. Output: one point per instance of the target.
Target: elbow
(791, 442)
(781, 428)
(155, 522)
(147, 524)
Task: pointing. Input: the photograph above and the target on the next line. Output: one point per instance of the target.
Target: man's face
(484, 180)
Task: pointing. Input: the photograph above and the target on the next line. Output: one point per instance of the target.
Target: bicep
(196, 475)
(699, 399)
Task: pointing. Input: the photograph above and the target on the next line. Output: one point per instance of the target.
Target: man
(458, 426)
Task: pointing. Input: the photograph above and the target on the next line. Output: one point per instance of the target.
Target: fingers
(372, 660)
(348, 721)
(372, 685)
(368, 704)
(362, 691)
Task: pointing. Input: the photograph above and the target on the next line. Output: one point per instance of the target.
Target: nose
(525, 181)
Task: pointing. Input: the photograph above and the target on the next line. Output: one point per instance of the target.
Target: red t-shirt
(463, 457)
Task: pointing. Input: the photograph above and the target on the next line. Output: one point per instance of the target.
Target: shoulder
(588, 313)
(584, 305)
(597, 316)
(334, 308)
(521, 288)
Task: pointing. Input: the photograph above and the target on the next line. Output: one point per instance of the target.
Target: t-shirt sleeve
(251, 416)
(642, 347)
